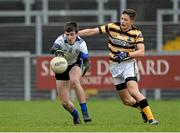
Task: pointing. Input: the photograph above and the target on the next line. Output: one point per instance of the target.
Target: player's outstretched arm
(88, 32)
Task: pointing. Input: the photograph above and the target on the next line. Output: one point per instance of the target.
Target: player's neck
(126, 29)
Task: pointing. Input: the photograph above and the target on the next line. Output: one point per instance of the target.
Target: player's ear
(132, 22)
(77, 33)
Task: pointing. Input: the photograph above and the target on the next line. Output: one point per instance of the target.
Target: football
(58, 64)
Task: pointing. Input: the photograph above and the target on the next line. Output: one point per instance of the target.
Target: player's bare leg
(63, 93)
(126, 98)
(75, 75)
(142, 102)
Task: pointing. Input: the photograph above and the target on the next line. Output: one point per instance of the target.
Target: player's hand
(59, 52)
(84, 70)
(84, 66)
(120, 56)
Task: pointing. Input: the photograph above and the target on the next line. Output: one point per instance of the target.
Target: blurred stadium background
(29, 27)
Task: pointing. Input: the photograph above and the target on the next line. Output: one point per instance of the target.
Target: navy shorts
(65, 75)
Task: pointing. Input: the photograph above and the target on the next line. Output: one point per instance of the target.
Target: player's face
(71, 37)
(126, 22)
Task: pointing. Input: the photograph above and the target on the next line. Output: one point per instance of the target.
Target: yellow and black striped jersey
(119, 40)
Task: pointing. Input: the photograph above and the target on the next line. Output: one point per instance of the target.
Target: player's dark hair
(131, 13)
(71, 26)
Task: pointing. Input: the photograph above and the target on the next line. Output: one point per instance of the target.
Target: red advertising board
(159, 72)
(155, 72)
(44, 75)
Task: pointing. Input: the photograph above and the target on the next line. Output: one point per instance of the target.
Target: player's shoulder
(61, 37)
(113, 25)
(79, 40)
(136, 28)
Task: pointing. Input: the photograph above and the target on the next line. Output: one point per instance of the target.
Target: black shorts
(65, 75)
(123, 85)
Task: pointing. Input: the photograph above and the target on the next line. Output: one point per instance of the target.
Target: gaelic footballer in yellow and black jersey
(119, 40)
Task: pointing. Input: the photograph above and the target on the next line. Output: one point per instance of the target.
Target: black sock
(135, 105)
(143, 103)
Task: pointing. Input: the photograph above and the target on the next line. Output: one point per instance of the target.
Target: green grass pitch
(108, 116)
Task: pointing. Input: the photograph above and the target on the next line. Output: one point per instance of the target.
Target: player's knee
(65, 104)
(127, 102)
(75, 81)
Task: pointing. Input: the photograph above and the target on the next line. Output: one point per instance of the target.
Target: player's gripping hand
(120, 56)
(58, 52)
(86, 68)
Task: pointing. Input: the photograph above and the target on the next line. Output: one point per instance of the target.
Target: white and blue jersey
(72, 51)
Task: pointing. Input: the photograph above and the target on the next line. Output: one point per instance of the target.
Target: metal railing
(160, 13)
(27, 69)
(41, 17)
(159, 35)
(100, 12)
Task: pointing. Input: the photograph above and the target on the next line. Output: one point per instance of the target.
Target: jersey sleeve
(140, 38)
(58, 42)
(103, 29)
(83, 51)
(84, 57)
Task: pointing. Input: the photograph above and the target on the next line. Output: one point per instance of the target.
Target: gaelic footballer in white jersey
(74, 50)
